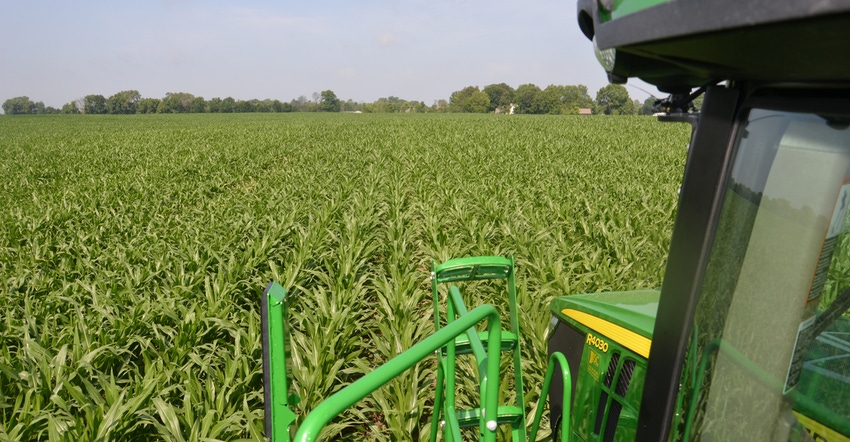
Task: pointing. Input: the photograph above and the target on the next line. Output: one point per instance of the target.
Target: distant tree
(176, 102)
(440, 105)
(124, 102)
(501, 96)
(262, 106)
(419, 107)
(39, 108)
(469, 99)
(199, 105)
(279, 106)
(242, 106)
(214, 105)
(329, 102)
(148, 106)
(575, 98)
(646, 107)
(349, 106)
(18, 106)
(228, 105)
(529, 99)
(551, 100)
(94, 104)
(70, 108)
(389, 104)
(613, 99)
(299, 103)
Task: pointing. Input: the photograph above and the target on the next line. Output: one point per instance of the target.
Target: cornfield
(133, 252)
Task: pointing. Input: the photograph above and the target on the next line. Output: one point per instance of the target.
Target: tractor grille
(612, 367)
(603, 397)
(613, 417)
(624, 379)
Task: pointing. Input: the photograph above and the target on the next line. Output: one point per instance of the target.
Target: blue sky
(58, 51)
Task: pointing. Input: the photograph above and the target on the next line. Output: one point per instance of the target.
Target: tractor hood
(633, 310)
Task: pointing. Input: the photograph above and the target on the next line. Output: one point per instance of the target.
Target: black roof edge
(680, 18)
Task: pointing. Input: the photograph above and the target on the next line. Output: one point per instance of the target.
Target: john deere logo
(596, 342)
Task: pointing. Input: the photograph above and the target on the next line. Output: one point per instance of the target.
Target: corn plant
(133, 250)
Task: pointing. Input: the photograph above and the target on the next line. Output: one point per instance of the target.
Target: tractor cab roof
(678, 45)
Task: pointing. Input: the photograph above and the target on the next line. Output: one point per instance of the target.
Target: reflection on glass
(778, 257)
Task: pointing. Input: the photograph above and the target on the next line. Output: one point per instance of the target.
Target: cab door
(764, 345)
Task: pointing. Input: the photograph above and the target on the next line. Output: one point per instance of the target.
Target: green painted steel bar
(438, 401)
(457, 307)
(279, 417)
(450, 412)
(456, 301)
(327, 410)
(517, 356)
(556, 358)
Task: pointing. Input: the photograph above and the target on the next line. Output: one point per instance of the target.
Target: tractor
(748, 338)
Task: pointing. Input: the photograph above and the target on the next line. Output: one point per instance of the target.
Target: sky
(60, 51)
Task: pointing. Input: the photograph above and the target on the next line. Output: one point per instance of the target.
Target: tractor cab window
(770, 348)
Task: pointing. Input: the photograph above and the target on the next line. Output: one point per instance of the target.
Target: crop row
(133, 252)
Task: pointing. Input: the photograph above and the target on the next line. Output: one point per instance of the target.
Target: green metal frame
(327, 410)
(561, 360)
(457, 336)
(475, 268)
(274, 316)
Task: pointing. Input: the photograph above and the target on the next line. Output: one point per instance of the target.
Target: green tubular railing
(278, 400)
(476, 268)
(561, 360)
(275, 336)
(330, 408)
(457, 309)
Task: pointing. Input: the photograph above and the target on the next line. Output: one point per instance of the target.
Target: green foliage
(389, 104)
(133, 252)
(176, 103)
(70, 108)
(147, 106)
(501, 96)
(330, 102)
(94, 105)
(18, 105)
(564, 99)
(469, 100)
(199, 105)
(529, 99)
(23, 105)
(124, 102)
(613, 99)
(646, 107)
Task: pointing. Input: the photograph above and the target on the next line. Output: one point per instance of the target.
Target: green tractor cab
(748, 337)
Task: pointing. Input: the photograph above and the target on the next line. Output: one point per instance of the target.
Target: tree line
(612, 99)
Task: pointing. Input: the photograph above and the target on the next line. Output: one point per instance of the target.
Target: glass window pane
(779, 260)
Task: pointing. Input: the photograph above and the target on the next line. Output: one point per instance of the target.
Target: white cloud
(386, 38)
